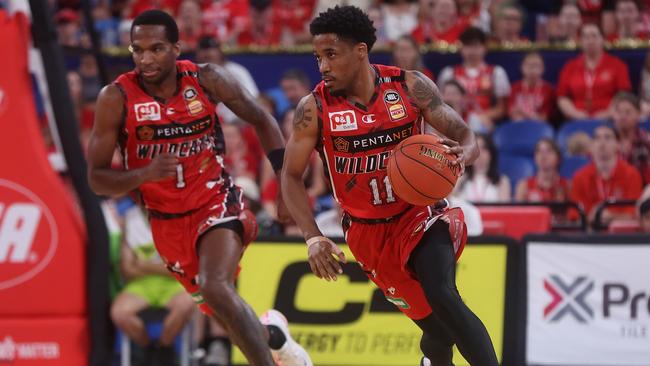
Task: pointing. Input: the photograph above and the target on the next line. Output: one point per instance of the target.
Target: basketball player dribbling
(354, 118)
(162, 114)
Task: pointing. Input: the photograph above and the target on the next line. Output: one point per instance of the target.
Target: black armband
(276, 157)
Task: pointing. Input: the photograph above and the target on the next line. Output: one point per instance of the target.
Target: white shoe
(291, 353)
(425, 362)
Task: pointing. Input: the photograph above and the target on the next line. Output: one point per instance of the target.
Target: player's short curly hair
(347, 22)
(157, 17)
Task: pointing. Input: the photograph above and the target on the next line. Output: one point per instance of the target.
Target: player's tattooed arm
(442, 117)
(300, 146)
(222, 86)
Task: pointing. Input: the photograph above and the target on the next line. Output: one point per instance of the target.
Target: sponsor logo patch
(391, 97)
(368, 118)
(147, 111)
(397, 112)
(341, 144)
(343, 120)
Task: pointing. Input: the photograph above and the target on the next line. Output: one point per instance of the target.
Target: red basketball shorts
(383, 251)
(176, 236)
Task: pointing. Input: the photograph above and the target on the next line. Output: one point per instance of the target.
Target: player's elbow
(94, 182)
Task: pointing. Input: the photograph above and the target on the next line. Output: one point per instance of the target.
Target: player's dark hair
(348, 22)
(157, 17)
(472, 35)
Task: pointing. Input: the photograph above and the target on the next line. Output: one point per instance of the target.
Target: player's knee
(443, 298)
(218, 293)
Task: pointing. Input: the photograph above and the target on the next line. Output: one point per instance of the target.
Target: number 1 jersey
(185, 125)
(356, 141)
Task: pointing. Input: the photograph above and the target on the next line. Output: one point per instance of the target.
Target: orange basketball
(420, 171)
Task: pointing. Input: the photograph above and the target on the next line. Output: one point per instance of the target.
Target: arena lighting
(97, 250)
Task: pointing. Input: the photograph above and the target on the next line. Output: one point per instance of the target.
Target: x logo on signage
(568, 299)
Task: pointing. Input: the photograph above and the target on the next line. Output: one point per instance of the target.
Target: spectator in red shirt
(442, 25)
(635, 142)
(189, 25)
(508, 23)
(531, 98)
(547, 185)
(487, 86)
(607, 177)
(225, 19)
(406, 55)
(260, 30)
(566, 26)
(628, 23)
(473, 13)
(290, 19)
(134, 8)
(588, 82)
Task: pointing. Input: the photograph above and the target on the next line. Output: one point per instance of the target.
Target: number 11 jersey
(356, 141)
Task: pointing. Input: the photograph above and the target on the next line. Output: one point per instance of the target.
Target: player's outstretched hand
(163, 166)
(324, 257)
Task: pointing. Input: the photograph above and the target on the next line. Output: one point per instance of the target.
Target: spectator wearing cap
(588, 82)
(68, 27)
(210, 52)
(607, 177)
(635, 142)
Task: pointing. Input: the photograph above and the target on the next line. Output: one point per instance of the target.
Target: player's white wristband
(313, 240)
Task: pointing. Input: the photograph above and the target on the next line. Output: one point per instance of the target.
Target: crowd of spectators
(285, 22)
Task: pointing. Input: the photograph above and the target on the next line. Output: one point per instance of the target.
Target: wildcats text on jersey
(180, 149)
(361, 164)
(374, 140)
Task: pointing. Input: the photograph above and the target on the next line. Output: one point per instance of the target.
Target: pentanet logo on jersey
(147, 111)
(568, 299)
(28, 234)
(343, 120)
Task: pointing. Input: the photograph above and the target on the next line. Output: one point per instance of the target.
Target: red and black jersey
(356, 141)
(187, 126)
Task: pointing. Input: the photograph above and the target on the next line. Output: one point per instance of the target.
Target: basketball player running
(354, 117)
(163, 116)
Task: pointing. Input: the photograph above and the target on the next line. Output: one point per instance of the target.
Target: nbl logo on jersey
(343, 120)
(147, 111)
